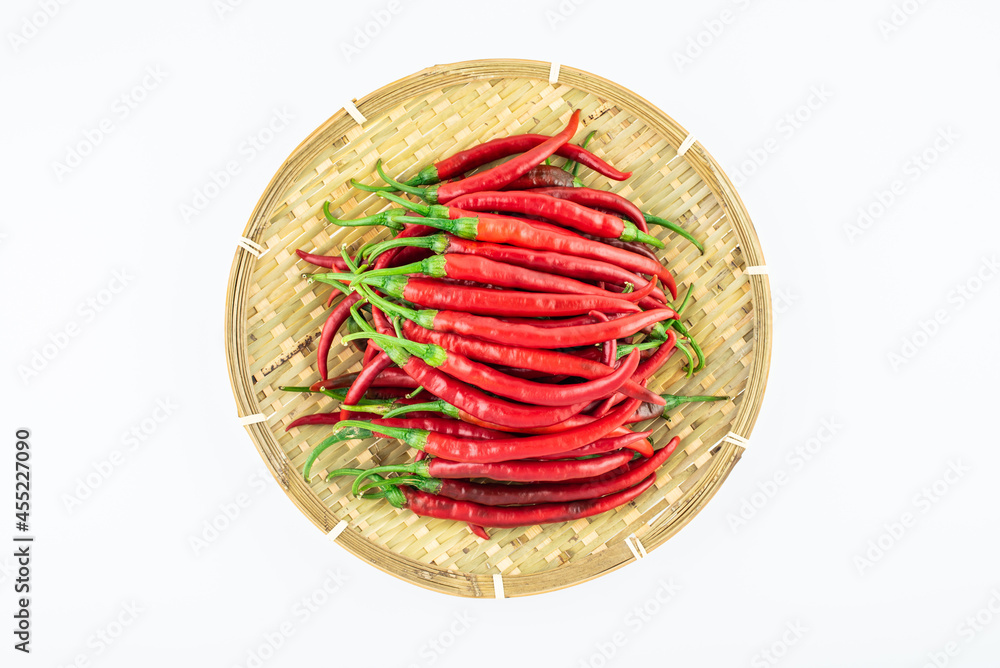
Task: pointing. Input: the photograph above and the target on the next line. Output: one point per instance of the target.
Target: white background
(848, 298)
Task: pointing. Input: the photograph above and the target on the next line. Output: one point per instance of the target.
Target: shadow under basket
(273, 317)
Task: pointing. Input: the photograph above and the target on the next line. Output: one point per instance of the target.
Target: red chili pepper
(340, 313)
(379, 363)
(527, 234)
(475, 269)
(388, 378)
(564, 211)
(328, 261)
(527, 336)
(493, 494)
(431, 293)
(645, 370)
(496, 177)
(505, 449)
(635, 441)
(526, 358)
(542, 261)
(512, 471)
(590, 197)
(501, 147)
(441, 507)
(542, 176)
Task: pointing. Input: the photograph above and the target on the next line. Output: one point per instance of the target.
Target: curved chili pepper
(493, 494)
(504, 449)
(564, 211)
(507, 230)
(328, 261)
(542, 176)
(543, 261)
(645, 370)
(526, 336)
(334, 320)
(494, 178)
(501, 147)
(441, 507)
(379, 363)
(526, 358)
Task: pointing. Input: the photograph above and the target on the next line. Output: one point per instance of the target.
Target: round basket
(273, 317)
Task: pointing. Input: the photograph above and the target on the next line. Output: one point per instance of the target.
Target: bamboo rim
(339, 130)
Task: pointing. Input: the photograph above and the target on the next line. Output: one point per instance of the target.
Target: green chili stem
(677, 229)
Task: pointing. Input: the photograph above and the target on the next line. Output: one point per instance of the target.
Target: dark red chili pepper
(496, 177)
(526, 336)
(501, 147)
(526, 358)
(388, 378)
(648, 411)
(379, 363)
(432, 505)
(328, 261)
(564, 211)
(493, 494)
(542, 176)
(543, 261)
(431, 293)
(504, 449)
(527, 234)
(512, 471)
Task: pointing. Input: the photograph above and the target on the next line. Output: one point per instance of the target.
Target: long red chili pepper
(563, 211)
(510, 471)
(507, 230)
(609, 444)
(431, 293)
(504, 449)
(526, 358)
(590, 197)
(388, 378)
(340, 313)
(500, 274)
(492, 494)
(539, 260)
(501, 147)
(496, 177)
(432, 505)
(527, 336)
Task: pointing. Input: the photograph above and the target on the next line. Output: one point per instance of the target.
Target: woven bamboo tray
(273, 317)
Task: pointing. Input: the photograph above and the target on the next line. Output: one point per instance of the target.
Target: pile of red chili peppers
(508, 331)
